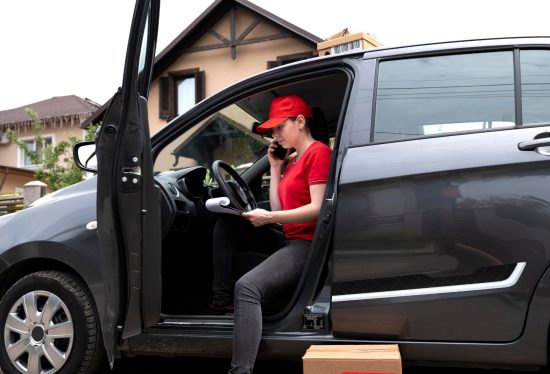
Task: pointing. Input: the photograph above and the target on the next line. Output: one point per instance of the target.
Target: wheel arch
(31, 265)
(536, 335)
(80, 260)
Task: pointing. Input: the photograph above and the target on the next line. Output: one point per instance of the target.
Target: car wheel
(49, 325)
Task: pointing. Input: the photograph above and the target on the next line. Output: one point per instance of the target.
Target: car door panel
(151, 282)
(130, 210)
(434, 234)
(127, 200)
(109, 259)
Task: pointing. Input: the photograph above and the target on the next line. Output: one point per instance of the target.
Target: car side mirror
(85, 157)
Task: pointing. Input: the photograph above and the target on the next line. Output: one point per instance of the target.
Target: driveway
(154, 365)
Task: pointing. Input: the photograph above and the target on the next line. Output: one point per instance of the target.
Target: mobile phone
(279, 152)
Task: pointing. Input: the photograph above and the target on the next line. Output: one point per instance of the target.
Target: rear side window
(535, 86)
(444, 94)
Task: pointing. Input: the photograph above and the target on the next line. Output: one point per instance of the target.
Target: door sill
(223, 321)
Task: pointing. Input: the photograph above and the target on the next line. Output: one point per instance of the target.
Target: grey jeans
(235, 238)
(277, 273)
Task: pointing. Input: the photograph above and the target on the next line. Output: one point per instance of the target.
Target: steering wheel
(238, 192)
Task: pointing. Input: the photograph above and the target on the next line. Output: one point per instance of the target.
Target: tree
(56, 165)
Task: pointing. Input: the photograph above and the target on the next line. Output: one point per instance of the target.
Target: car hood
(59, 217)
(87, 186)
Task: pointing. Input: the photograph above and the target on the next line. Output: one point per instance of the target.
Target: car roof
(460, 45)
(434, 47)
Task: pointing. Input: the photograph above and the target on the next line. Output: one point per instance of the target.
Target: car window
(226, 135)
(535, 86)
(444, 94)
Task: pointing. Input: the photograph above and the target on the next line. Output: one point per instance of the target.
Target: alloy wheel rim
(38, 333)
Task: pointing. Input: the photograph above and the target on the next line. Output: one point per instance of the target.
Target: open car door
(128, 210)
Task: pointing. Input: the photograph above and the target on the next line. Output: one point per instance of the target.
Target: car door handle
(532, 145)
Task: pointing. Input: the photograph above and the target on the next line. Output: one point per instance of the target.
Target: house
(229, 41)
(61, 118)
(344, 41)
(13, 179)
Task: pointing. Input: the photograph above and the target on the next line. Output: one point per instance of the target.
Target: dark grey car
(435, 232)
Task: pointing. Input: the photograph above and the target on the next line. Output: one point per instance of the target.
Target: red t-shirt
(311, 168)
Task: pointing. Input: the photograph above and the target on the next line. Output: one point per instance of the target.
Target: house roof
(5, 169)
(56, 107)
(209, 17)
(200, 26)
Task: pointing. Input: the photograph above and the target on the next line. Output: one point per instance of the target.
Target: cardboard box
(352, 359)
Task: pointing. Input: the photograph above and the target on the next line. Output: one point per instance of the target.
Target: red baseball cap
(282, 108)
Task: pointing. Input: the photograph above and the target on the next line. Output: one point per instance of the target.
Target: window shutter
(166, 98)
(199, 86)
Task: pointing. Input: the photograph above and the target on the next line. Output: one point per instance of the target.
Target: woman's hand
(274, 161)
(258, 217)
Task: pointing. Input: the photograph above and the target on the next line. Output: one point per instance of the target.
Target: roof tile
(55, 107)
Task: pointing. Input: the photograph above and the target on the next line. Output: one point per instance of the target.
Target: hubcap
(38, 334)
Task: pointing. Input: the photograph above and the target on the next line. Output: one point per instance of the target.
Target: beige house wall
(219, 68)
(13, 182)
(9, 153)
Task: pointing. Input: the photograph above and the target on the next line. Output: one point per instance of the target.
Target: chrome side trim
(508, 282)
(197, 323)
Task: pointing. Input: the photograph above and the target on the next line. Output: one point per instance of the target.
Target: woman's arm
(305, 213)
(274, 181)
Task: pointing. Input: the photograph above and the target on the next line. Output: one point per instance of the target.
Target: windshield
(226, 135)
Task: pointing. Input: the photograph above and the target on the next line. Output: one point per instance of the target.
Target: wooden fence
(10, 203)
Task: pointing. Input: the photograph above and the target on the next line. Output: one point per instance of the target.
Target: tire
(63, 336)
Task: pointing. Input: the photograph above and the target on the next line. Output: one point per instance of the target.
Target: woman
(296, 198)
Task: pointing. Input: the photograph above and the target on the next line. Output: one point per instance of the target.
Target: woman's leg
(233, 234)
(273, 276)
